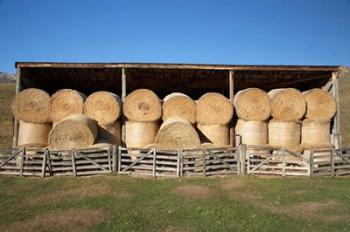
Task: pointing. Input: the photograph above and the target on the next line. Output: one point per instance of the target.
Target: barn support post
(123, 98)
(231, 90)
(43, 167)
(16, 122)
(114, 158)
(242, 158)
(336, 125)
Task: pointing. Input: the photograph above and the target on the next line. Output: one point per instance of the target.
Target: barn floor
(121, 203)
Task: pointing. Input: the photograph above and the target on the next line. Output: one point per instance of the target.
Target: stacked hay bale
(105, 108)
(32, 108)
(316, 127)
(287, 109)
(74, 131)
(253, 109)
(142, 108)
(214, 112)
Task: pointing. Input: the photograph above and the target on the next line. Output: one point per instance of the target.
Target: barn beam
(15, 121)
(231, 94)
(336, 120)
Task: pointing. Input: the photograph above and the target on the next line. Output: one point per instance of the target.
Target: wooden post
(114, 158)
(119, 159)
(332, 162)
(109, 159)
(16, 122)
(72, 152)
(284, 164)
(242, 158)
(123, 98)
(231, 90)
(204, 162)
(180, 163)
(336, 125)
(22, 161)
(311, 163)
(154, 162)
(43, 167)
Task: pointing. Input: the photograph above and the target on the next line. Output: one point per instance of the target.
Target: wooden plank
(231, 92)
(22, 161)
(44, 165)
(154, 162)
(109, 159)
(16, 121)
(73, 162)
(115, 157)
(179, 66)
(11, 157)
(242, 159)
(336, 128)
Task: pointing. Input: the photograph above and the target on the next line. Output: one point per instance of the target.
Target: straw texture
(215, 134)
(140, 134)
(32, 105)
(142, 105)
(33, 134)
(287, 104)
(214, 108)
(74, 131)
(179, 105)
(315, 132)
(284, 134)
(320, 104)
(252, 104)
(177, 133)
(103, 106)
(66, 102)
(252, 132)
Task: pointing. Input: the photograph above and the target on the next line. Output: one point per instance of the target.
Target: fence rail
(175, 163)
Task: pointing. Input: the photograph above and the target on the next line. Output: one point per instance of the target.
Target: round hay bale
(315, 132)
(179, 105)
(287, 104)
(32, 105)
(110, 133)
(103, 106)
(34, 135)
(177, 133)
(214, 108)
(66, 102)
(284, 134)
(215, 134)
(320, 104)
(252, 132)
(142, 105)
(140, 134)
(252, 104)
(74, 131)
(100, 144)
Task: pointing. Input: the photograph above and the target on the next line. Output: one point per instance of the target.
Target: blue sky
(312, 32)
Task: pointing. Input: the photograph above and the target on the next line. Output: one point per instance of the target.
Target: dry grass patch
(193, 192)
(71, 220)
(76, 193)
(237, 189)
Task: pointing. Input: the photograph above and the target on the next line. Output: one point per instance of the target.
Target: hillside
(7, 78)
(7, 92)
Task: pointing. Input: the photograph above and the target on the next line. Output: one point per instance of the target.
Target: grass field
(115, 203)
(118, 203)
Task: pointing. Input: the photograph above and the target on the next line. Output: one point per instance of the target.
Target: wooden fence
(175, 163)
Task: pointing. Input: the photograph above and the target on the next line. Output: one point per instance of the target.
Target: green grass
(116, 203)
(7, 92)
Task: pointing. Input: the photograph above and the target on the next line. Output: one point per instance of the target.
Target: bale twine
(142, 105)
(177, 133)
(287, 104)
(214, 108)
(110, 133)
(284, 134)
(252, 132)
(140, 134)
(315, 132)
(74, 131)
(66, 102)
(320, 104)
(179, 105)
(34, 135)
(215, 134)
(103, 106)
(252, 104)
(32, 105)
